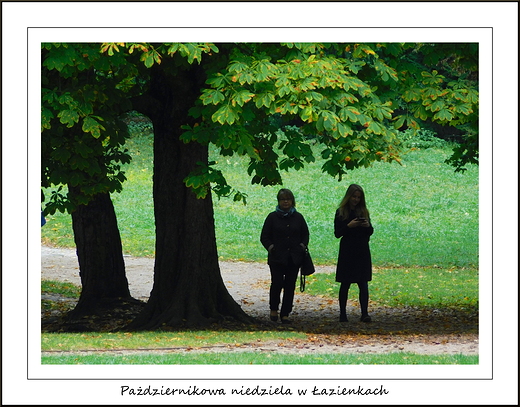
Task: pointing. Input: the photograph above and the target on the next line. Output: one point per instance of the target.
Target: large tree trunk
(100, 256)
(188, 288)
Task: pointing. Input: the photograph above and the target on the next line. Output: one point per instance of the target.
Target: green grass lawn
(424, 213)
(424, 249)
(159, 340)
(250, 358)
(426, 288)
(423, 287)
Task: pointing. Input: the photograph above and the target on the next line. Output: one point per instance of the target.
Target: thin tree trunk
(100, 255)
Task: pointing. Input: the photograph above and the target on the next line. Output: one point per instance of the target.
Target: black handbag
(306, 269)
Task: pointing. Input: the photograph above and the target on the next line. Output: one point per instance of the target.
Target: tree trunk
(188, 288)
(100, 256)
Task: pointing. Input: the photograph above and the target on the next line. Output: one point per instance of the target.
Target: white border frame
(491, 24)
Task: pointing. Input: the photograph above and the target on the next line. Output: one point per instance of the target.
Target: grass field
(245, 358)
(424, 249)
(424, 213)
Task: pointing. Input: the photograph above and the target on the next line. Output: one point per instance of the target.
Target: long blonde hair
(361, 209)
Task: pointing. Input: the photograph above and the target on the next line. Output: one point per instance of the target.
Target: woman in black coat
(285, 235)
(352, 224)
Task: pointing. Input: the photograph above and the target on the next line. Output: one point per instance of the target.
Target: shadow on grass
(386, 321)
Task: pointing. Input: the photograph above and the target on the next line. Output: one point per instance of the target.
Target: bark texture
(188, 288)
(100, 256)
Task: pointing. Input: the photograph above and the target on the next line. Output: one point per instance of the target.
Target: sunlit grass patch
(69, 290)
(413, 287)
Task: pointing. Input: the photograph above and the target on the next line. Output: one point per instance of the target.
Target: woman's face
(285, 203)
(354, 199)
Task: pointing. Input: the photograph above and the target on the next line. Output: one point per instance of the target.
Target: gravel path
(391, 330)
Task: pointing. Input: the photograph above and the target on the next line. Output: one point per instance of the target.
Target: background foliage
(353, 97)
(423, 212)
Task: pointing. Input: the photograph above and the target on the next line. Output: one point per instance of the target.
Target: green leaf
(264, 99)
(355, 65)
(225, 115)
(79, 163)
(90, 125)
(386, 72)
(216, 81)
(464, 109)
(76, 178)
(242, 97)
(212, 96)
(343, 130)
(285, 90)
(443, 115)
(83, 149)
(148, 60)
(375, 128)
(68, 117)
(46, 117)
(48, 96)
(399, 121)
(307, 114)
(460, 95)
(111, 47)
(264, 71)
(246, 77)
(432, 78)
(151, 57)
(328, 120)
(351, 83)
(193, 53)
(61, 154)
(66, 99)
(245, 145)
(239, 196)
(309, 83)
(378, 113)
(237, 66)
(432, 93)
(472, 96)
(421, 112)
(436, 105)
(412, 94)
(193, 181)
(313, 96)
(61, 58)
(349, 113)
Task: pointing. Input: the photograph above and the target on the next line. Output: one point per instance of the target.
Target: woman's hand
(354, 223)
(364, 222)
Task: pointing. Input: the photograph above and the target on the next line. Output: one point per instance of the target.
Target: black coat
(285, 233)
(354, 259)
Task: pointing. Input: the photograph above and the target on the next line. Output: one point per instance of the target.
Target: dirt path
(406, 330)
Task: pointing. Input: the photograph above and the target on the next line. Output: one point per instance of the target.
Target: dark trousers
(363, 297)
(282, 278)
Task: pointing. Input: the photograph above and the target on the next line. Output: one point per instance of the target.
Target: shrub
(421, 139)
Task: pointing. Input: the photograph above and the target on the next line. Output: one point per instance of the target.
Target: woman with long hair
(352, 224)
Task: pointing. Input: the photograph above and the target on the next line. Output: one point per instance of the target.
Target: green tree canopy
(350, 99)
(84, 93)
